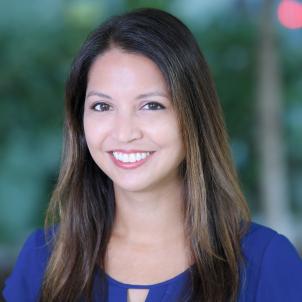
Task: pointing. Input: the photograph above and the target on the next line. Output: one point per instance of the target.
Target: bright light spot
(290, 14)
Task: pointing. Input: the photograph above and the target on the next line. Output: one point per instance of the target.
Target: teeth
(130, 158)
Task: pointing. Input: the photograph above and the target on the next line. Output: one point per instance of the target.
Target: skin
(149, 223)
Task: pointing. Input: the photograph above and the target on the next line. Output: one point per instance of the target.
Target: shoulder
(25, 280)
(273, 269)
(257, 239)
(262, 244)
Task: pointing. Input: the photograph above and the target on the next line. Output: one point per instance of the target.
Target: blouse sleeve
(281, 272)
(25, 280)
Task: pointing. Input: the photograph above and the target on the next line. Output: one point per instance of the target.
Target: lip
(134, 165)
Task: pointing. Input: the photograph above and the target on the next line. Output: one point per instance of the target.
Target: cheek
(87, 130)
(92, 131)
(169, 130)
(167, 135)
(176, 142)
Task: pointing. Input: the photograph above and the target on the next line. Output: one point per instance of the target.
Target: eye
(100, 107)
(154, 106)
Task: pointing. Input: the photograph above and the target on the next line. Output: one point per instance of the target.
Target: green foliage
(133, 4)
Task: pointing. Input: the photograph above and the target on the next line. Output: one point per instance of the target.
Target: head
(161, 40)
(154, 41)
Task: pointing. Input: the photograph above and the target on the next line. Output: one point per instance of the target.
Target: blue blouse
(273, 272)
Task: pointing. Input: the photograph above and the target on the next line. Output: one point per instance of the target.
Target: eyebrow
(141, 96)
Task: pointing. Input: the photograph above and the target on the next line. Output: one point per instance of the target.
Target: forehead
(120, 70)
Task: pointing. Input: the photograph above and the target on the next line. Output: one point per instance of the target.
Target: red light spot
(290, 14)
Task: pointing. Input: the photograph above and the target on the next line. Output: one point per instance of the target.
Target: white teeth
(130, 158)
(124, 158)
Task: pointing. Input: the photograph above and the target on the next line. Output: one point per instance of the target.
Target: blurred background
(254, 49)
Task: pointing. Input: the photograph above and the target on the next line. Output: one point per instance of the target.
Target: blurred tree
(272, 159)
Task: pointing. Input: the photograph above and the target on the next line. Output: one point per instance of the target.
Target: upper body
(146, 159)
(273, 272)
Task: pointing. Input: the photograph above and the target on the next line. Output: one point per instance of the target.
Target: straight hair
(83, 203)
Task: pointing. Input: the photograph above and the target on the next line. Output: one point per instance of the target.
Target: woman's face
(128, 111)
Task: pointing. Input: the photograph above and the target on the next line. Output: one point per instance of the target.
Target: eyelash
(102, 104)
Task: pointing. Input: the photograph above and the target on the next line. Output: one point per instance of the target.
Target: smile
(130, 160)
(130, 157)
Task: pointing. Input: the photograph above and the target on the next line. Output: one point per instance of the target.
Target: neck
(155, 217)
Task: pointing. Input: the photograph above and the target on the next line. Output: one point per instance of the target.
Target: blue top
(273, 272)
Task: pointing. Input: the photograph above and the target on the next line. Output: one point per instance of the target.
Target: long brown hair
(83, 205)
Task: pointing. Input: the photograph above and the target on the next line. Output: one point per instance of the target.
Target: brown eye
(100, 107)
(154, 106)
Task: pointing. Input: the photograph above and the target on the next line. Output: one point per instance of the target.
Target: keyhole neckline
(180, 277)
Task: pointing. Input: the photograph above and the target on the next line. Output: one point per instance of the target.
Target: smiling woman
(147, 206)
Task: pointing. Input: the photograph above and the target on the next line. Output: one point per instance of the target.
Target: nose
(126, 128)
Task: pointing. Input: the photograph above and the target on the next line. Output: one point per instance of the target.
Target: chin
(130, 187)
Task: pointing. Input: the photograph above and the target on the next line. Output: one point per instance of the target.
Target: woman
(147, 205)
